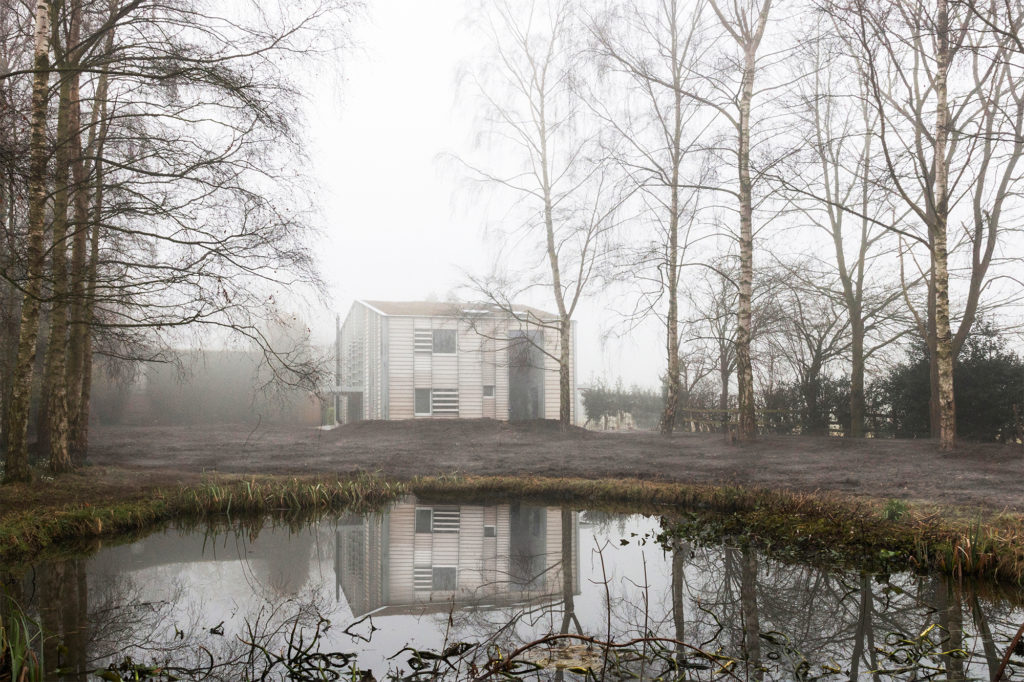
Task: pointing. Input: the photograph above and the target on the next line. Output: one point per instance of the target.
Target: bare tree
(652, 48)
(831, 185)
(16, 462)
(744, 23)
(176, 190)
(812, 332)
(949, 157)
(533, 106)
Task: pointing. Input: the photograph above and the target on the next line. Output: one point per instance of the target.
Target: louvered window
(423, 341)
(422, 578)
(446, 520)
(444, 401)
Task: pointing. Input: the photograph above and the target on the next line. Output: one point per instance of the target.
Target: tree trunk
(16, 464)
(680, 552)
(857, 407)
(568, 574)
(79, 246)
(940, 272)
(723, 377)
(668, 419)
(747, 430)
(79, 444)
(564, 367)
(53, 429)
(751, 619)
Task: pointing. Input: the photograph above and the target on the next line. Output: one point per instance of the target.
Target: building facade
(428, 360)
(415, 556)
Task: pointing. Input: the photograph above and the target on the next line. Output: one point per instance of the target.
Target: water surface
(424, 590)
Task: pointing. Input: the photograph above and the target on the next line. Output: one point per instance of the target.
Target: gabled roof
(450, 309)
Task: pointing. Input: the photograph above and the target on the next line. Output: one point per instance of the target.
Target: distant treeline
(989, 381)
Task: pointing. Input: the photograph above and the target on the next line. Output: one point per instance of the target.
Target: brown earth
(985, 475)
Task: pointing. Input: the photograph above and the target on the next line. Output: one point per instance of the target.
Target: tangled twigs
(498, 666)
(1009, 652)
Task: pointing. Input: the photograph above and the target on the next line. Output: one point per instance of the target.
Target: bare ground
(985, 475)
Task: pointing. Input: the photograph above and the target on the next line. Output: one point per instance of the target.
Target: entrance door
(355, 408)
(525, 375)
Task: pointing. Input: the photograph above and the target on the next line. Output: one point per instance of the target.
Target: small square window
(445, 578)
(424, 520)
(422, 401)
(444, 341)
(490, 532)
(489, 391)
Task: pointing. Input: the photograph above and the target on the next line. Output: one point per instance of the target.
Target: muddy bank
(987, 475)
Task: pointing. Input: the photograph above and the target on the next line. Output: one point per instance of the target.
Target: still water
(423, 591)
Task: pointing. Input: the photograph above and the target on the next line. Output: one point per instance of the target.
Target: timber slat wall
(403, 371)
(379, 352)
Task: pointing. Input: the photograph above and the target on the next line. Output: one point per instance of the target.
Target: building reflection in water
(419, 557)
(493, 573)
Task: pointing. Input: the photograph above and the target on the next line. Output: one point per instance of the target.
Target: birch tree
(177, 192)
(947, 101)
(16, 463)
(650, 51)
(533, 109)
(832, 185)
(745, 24)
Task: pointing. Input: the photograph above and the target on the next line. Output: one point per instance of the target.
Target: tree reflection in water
(469, 592)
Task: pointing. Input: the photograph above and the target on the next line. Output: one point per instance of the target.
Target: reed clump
(26, 533)
(19, 660)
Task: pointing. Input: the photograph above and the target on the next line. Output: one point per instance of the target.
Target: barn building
(430, 360)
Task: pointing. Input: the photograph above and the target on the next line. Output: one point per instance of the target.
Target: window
(422, 401)
(422, 578)
(438, 519)
(446, 519)
(444, 401)
(490, 532)
(424, 521)
(445, 578)
(489, 391)
(444, 341)
(423, 341)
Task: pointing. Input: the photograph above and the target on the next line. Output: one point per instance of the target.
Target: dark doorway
(528, 529)
(354, 413)
(525, 375)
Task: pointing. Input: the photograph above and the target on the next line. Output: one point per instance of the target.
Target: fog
(401, 220)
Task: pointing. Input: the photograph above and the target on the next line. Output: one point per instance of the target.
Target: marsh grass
(25, 534)
(881, 535)
(19, 661)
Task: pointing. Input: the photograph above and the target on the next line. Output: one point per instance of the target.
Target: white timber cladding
(401, 368)
(552, 387)
(469, 380)
(420, 562)
(360, 363)
(391, 355)
(501, 370)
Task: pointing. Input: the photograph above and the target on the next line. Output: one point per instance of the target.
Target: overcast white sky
(401, 223)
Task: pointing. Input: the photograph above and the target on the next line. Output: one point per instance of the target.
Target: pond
(465, 591)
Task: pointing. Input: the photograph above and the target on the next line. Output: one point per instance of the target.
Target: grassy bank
(26, 532)
(882, 535)
(876, 534)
